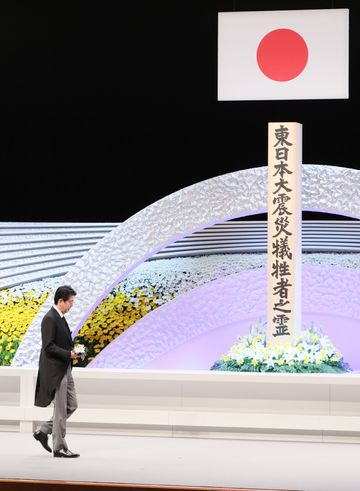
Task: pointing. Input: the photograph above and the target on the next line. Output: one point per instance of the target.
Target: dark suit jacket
(55, 356)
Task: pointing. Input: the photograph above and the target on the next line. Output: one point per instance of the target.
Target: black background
(108, 106)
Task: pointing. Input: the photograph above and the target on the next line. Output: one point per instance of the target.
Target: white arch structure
(325, 188)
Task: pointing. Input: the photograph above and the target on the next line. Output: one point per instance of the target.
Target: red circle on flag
(282, 55)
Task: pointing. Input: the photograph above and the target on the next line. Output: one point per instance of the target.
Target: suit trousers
(65, 403)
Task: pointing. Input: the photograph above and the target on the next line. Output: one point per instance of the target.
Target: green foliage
(8, 347)
(247, 366)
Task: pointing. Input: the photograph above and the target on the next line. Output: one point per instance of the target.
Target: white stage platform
(306, 466)
(293, 407)
(193, 428)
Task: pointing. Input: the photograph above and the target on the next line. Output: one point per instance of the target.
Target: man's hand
(73, 355)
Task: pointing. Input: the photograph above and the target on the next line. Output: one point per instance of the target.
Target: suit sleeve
(48, 334)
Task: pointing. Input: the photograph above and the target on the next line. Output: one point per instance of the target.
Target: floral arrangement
(311, 352)
(80, 351)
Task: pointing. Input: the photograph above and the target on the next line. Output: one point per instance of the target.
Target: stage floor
(187, 461)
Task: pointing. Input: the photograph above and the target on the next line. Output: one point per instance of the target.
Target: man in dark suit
(54, 381)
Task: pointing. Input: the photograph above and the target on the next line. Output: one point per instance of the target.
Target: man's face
(65, 305)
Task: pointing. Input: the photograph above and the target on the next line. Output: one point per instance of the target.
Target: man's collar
(58, 311)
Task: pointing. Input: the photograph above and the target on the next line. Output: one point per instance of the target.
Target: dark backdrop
(107, 106)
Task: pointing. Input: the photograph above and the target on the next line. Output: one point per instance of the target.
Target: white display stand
(313, 407)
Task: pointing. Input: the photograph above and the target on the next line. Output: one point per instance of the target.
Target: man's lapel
(64, 325)
(67, 327)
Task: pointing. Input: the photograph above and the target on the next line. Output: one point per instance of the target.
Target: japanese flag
(289, 54)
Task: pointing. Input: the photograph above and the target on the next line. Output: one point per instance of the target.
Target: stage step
(37, 485)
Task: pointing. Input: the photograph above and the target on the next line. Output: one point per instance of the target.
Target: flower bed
(18, 307)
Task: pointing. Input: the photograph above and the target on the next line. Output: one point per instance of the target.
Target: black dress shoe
(43, 439)
(65, 453)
